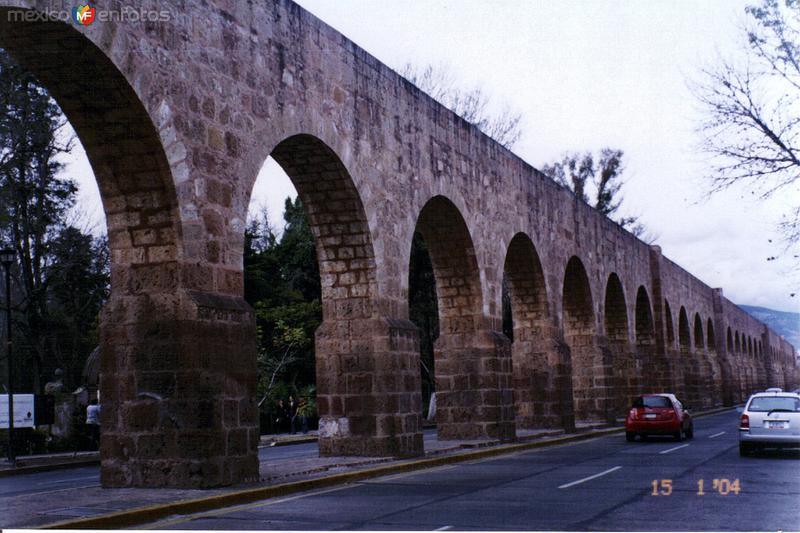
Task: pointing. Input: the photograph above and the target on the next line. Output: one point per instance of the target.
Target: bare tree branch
(751, 126)
(473, 105)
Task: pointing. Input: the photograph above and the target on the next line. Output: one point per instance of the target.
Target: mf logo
(83, 14)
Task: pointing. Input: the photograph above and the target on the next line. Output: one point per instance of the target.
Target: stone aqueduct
(177, 118)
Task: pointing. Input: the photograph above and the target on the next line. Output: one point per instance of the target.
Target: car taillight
(744, 423)
(633, 414)
(669, 414)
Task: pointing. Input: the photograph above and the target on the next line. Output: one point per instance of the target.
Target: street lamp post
(7, 257)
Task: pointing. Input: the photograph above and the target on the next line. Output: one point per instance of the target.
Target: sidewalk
(282, 470)
(29, 464)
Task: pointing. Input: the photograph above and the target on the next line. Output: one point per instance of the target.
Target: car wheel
(678, 435)
(690, 432)
(744, 449)
(630, 436)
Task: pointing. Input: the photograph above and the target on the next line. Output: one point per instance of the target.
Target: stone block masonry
(178, 116)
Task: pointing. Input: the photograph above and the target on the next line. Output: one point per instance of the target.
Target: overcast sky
(585, 75)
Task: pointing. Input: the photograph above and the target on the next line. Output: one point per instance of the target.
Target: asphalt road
(601, 484)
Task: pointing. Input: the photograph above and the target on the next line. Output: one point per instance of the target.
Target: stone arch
(473, 364)
(669, 325)
(160, 356)
(684, 339)
(730, 340)
(653, 369)
(688, 361)
(120, 139)
(538, 365)
(713, 372)
(361, 410)
(337, 220)
(615, 318)
(699, 338)
(591, 374)
(743, 370)
(719, 371)
(711, 339)
(699, 360)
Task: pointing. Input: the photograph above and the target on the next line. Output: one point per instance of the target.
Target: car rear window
(652, 401)
(768, 403)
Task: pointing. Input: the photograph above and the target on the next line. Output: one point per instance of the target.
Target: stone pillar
(542, 374)
(368, 388)
(592, 390)
(178, 389)
(728, 388)
(709, 394)
(663, 351)
(474, 395)
(625, 381)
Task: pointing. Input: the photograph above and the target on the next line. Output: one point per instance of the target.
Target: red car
(658, 414)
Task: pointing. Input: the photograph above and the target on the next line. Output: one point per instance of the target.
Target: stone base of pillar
(592, 388)
(178, 383)
(474, 394)
(369, 393)
(541, 371)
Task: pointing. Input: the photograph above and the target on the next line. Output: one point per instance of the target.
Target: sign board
(23, 411)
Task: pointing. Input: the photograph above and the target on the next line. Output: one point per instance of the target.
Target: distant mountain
(783, 323)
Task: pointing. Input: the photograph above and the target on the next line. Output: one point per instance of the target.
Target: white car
(770, 419)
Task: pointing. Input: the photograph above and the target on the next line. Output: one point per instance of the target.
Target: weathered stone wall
(177, 118)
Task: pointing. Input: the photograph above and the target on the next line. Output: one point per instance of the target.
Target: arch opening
(669, 325)
(688, 361)
(538, 368)
(653, 369)
(474, 397)
(624, 383)
(366, 394)
(591, 377)
(699, 338)
(154, 309)
(711, 339)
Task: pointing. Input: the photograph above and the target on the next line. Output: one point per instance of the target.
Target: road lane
(48, 482)
(521, 491)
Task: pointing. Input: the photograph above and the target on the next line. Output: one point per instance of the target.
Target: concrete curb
(143, 515)
(287, 442)
(35, 469)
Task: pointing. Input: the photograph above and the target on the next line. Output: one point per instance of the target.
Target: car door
(682, 414)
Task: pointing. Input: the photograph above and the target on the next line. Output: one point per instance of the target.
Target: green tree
(297, 253)
(35, 198)
(282, 284)
(78, 285)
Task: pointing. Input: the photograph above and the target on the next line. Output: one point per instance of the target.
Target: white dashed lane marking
(568, 485)
(673, 449)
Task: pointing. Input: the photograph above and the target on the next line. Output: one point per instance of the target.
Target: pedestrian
(280, 417)
(93, 423)
(292, 409)
(302, 413)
